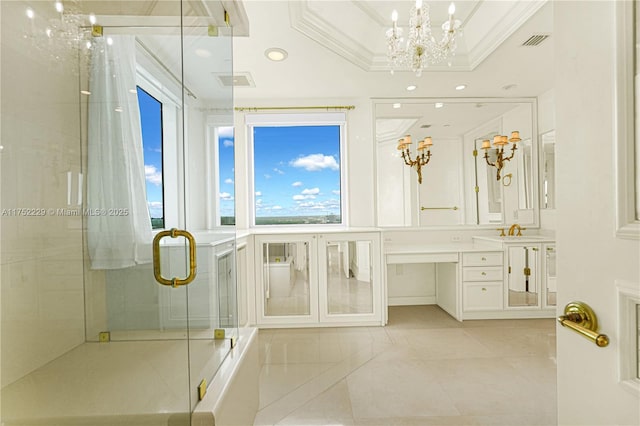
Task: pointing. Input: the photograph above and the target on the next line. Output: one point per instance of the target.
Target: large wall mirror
(459, 187)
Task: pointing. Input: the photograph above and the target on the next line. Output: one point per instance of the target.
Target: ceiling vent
(535, 40)
(236, 80)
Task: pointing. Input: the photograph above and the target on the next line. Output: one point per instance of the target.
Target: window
(298, 173)
(159, 117)
(151, 123)
(225, 176)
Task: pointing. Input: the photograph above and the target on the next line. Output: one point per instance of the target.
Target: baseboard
(411, 300)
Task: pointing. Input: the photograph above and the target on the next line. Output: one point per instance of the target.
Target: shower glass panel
(90, 174)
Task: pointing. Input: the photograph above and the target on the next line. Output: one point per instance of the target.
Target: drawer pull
(484, 289)
(484, 258)
(484, 273)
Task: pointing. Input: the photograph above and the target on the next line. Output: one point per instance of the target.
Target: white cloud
(336, 192)
(227, 143)
(258, 193)
(299, 197)
(296, 183)
(267, 176)
(152, 175)
(225, 132)
(229, 181)
(226, 196)
(276, 208)
(155, 208)
(312, 191)
(278, 171)
(316, 162)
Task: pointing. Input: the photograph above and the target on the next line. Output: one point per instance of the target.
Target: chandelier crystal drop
(64, 33)
(421, 48)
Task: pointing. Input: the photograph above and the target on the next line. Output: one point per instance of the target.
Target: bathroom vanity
(490, 278)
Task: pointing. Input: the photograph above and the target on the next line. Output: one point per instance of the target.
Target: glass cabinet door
(522, 288)
(287, 271)
(349, 277)
(550, 275)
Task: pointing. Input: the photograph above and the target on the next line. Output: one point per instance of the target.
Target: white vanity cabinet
(482, 282)
(531, 284)
(549, 280)
(318, 279)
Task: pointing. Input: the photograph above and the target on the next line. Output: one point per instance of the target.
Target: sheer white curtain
(118, 222)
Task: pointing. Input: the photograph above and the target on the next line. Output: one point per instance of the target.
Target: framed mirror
(461, 185)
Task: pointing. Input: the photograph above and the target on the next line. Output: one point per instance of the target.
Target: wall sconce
(499, 143)
(421, 159)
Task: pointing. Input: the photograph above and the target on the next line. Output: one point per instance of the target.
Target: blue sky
(151, 121)
(226, 171)
(297, 170)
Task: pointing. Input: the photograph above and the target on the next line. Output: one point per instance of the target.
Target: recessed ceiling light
(461, 86)
(397, 105)
(411, 87)
(509, 87)
(276, 54)
(439, 105)
(85, 92)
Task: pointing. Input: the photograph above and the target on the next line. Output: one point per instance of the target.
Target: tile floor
(423, 368)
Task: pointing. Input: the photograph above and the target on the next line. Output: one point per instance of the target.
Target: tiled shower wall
(41, 253)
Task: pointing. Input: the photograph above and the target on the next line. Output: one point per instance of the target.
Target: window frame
(214, 217)
(298, 120)
(171, 148)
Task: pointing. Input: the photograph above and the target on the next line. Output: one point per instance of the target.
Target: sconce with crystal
(499, 142)
(421, 158)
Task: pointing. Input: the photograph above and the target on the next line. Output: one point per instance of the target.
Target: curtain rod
(327, 107)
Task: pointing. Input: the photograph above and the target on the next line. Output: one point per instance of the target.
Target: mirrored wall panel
(455, 161)
(349, 277)
(286, 278)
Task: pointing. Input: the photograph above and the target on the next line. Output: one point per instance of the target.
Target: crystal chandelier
(66, 34)
(421, 48)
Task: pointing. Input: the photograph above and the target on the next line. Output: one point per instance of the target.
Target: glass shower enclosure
(117, 256)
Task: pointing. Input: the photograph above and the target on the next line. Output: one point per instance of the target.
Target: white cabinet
(523, 276)
(549, 267)
(482, 282)
(315, 279)
(531, 277)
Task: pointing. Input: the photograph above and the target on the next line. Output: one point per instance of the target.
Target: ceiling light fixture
(421, 49)
(439, 105)
(461, 87)
(396, 106)
(276, 54)
(411, 87)
(64, 34)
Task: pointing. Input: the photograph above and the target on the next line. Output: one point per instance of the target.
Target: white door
(592, 259)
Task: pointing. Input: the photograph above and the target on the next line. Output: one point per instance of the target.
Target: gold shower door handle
(157, 273)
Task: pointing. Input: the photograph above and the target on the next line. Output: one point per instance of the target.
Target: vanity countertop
(435, 248)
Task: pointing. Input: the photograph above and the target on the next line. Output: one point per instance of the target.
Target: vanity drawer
(492, 258)
(491, 273)
(482, 296)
